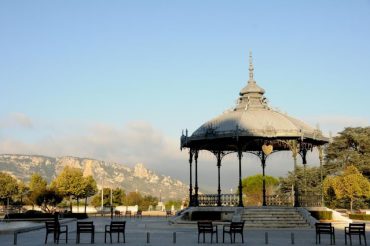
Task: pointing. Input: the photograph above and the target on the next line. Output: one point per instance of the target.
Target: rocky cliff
(107, 174)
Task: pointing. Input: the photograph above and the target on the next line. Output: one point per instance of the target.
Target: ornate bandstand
(252, 127)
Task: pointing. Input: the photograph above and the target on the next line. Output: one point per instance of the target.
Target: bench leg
(350, 239)
(365, 239)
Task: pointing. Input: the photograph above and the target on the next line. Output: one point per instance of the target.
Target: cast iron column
(296, 190)
(321, 156)
(240, 155)
(219, 179)
(305, 200)
(196, 201)
(263, 161)
(191, 180)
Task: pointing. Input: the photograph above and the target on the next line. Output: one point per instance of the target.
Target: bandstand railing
(210, 200)
(310, 199)
(280, 200)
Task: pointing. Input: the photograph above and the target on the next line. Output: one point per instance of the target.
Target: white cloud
(139, 141)
(129, 144)
(337, 123)
(16, 119)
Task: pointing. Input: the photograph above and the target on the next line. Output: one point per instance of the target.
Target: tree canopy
(350, 185)
(9, 186)
(350, 148)
(252, 187)
(71, 183)
(37, 186)
(118, 196)
(307, 179)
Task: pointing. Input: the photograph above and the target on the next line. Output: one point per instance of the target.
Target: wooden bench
(355, 229)
(325, 228)
(55, 228)
(115, 227)
(85, 227)
(207, 227)
(232, 229)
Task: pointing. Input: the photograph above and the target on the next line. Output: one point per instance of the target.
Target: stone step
(270, 211)
(276, 226)
(276, 221)
(273, 218)
(272, 214)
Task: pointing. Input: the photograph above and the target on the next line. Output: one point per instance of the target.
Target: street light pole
(111, 203)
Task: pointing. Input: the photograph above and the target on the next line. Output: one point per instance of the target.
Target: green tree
(69, 183)
(350, 148)
(133, 198)
(308, 179)
(89, 188)
(37, 186)
(252, 187)
(350, 185)
(143, 202)
(9, 187)
(48, 199)
(118, 197)
(22, 195)
(147, 201)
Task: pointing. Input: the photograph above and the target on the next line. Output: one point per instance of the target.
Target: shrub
(359, 216)
(32, 214)
(322, 215)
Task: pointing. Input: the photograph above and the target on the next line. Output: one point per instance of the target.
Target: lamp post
(111, 204)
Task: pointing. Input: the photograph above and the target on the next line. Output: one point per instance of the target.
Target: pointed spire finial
(251, 68)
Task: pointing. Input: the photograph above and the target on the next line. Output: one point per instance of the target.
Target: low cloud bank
(139, 141)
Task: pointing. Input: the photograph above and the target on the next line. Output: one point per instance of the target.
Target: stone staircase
(274, 217)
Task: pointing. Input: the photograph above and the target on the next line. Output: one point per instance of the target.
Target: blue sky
(119, 80)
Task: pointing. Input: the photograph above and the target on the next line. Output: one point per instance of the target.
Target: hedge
(78, 216)
(359, 216)
(322, 215)
(32, 214)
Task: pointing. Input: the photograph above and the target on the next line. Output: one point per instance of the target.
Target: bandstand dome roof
(253, 118)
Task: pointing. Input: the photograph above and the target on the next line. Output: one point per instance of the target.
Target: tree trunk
(351, 204)
(78, 204)
(70, 204)
(85, 204)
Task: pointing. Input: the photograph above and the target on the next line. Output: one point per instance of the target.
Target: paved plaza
(161, 232)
